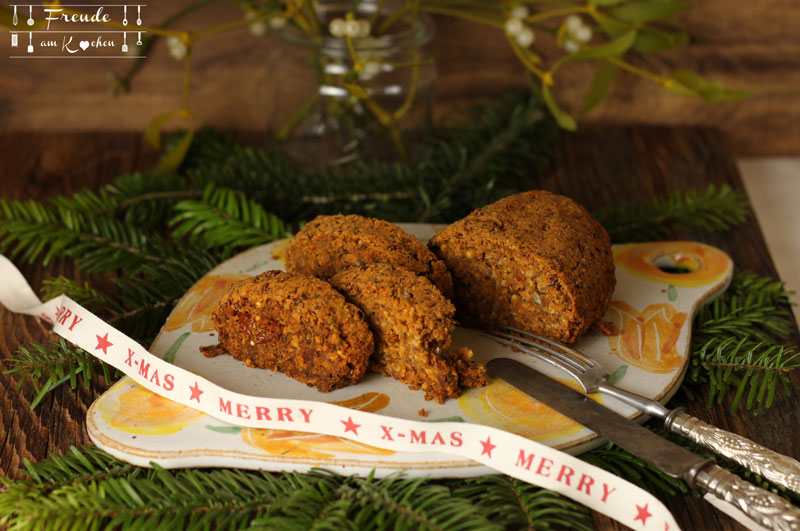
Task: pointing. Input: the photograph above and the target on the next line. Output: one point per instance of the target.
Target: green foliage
(94, 490)
(618, 461)
(687, 83)
(225, 217)
(49, 366)
(494, 151)
(738, 343)
(716, 209)
(515, 504)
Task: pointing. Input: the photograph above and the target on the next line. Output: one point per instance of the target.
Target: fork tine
(575, 362)
(535, 352)
(563, 349)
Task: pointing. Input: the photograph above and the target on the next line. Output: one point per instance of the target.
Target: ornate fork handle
(772, 466)
(766, 508)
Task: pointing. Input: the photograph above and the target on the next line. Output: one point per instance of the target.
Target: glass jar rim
(411, 36)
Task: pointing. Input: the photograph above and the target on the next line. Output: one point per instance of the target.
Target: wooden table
(597, 167)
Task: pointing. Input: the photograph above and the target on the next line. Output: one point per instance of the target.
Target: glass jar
(379, 110)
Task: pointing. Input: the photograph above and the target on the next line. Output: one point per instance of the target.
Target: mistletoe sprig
(604, 32)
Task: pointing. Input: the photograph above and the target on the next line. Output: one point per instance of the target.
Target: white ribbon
(505, 452)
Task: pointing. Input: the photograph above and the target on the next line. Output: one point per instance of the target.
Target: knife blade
(766, 508)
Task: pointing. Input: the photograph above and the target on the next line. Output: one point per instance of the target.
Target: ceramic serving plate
(659, 287)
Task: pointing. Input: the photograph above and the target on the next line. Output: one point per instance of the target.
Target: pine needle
(514, 504)
(737, 344)
(716, 209)
(48, 366)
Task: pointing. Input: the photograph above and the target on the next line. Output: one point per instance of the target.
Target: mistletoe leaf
(649, 10)
(652, 42)
(562, 117)
(614, 48)
(172, 159)
(601, 83)
(152, 134)
(688, 83)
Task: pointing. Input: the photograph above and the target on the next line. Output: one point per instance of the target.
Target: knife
(764, 507)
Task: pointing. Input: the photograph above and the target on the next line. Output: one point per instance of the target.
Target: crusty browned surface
(329, 244)
(412, 323)
(535, 260)
(295, 324)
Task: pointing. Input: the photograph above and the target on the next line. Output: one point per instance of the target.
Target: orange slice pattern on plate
(647, 339)
(143, 412)
(503, 406)
(199, 302)
(683, 264)
(279, 250)
(313, 445)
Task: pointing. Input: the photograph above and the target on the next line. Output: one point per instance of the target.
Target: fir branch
(618, 461)
(48, 366)
(748, 283)
(142, 199)
(398, 503)
(749, 369)
(91, 489)
(226, 218)
(497, 152)
(325, 501)
(78, 465)
(145, 199)
(736, 343)
(90, 298)
(716, 209)
(219, 499)
(150, 296)
(750, 316)
(492, 141)
(514, 504)
(32, 230)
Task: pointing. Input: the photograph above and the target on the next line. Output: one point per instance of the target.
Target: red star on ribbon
(103, 343)
(349, 425)
(642, 514)
(196, 392)
(488, 447)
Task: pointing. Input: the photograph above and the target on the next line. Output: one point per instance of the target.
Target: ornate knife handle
(772, 466)
(766, 508)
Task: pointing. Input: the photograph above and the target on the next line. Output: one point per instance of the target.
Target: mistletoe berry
(514, 26)
(338, 27)
(525, 37)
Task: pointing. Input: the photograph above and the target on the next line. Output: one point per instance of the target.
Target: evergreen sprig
(715, 208)
(91, 489)
(614, 459)
(48, 366)
(738, 343)
(515, 504)
(225, 217)
(499, 149)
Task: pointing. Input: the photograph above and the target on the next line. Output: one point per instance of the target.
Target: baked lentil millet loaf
(412, 323)
(329, 244)
(536, 261)
(295, 324)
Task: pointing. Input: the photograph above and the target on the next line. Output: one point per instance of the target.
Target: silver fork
(593, 378)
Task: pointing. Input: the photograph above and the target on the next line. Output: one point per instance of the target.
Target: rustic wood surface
(252, 83)
(597, 167)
